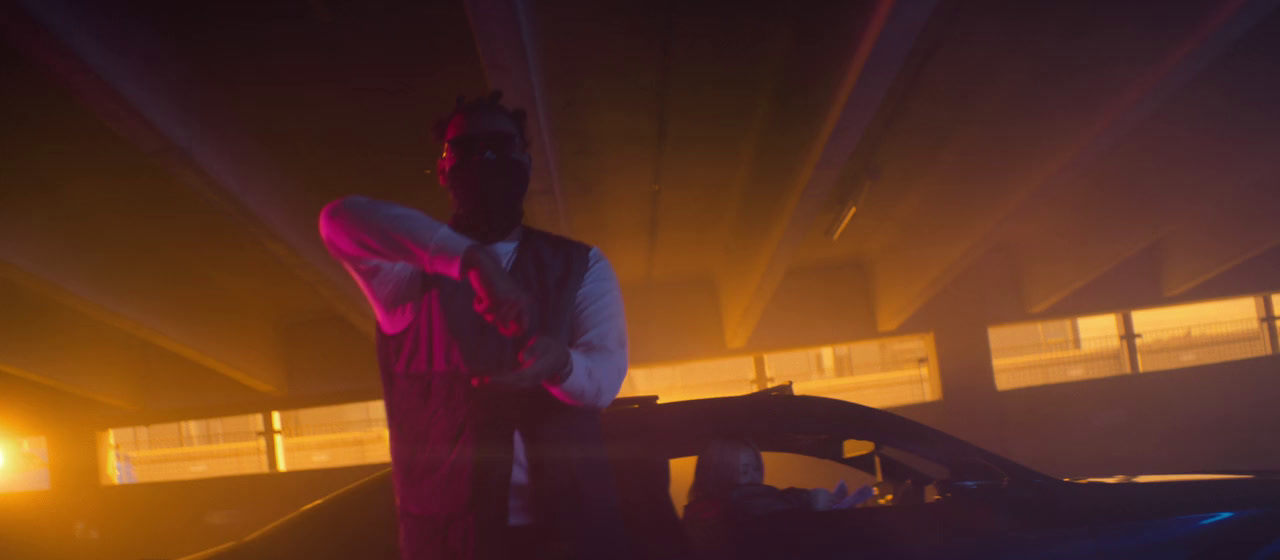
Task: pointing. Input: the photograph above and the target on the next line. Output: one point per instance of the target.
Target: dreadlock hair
(491, 103)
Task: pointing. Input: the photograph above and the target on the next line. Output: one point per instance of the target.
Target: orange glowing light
(278, 438)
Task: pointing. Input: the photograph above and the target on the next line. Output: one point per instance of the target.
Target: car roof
(807, 425)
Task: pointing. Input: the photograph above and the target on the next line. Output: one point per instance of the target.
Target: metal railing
(1058, 362)
(880, 389)
(335, 444)
(299, 429)
(1064, 361)
(1194, 345)
(693, 380)
(161, 459)
(678, 389)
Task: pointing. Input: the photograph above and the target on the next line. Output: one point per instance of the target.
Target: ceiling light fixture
(846, 214)
(842, 221)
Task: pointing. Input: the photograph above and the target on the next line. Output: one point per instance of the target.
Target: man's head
(485, 166)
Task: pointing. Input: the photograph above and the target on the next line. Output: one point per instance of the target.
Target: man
(498, 344)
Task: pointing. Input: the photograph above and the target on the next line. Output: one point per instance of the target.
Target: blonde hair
(719, 467)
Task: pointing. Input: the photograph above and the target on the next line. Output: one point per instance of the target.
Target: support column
(964, 362)
(1130, 339)
(971, 407)
(75, 515)
(273, 434)
(762, 373)
(1269, 318)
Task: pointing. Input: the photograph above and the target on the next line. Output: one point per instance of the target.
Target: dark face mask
(488, 196)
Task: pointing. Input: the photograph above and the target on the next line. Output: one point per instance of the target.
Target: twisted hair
(491, 103)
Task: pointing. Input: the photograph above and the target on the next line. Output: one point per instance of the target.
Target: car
(936, 496)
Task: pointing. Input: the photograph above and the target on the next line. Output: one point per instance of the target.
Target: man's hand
(498, 299)
(843, 499)
(821, 499)
(542, 360)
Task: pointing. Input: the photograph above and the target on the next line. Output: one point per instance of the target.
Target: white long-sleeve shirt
(387, 248)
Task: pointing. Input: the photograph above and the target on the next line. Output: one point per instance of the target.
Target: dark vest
(451, 443)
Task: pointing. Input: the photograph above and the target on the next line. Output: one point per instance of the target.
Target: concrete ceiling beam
(505, 36)
(50, 290)
(903, 285)
(52, 381)
(1207, 248)
(871, 69)
(121, 86)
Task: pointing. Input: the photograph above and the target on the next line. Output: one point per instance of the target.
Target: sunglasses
(474, 145)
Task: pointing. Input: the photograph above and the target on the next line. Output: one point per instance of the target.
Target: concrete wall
(1215, 417)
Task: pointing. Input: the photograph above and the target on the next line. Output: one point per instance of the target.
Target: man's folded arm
(598, 343)
(361, 231)
(386, 247)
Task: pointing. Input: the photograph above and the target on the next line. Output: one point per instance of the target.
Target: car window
(782, 470)
(916, 484)
(681, 479)
(929, 468)
(787, 470)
